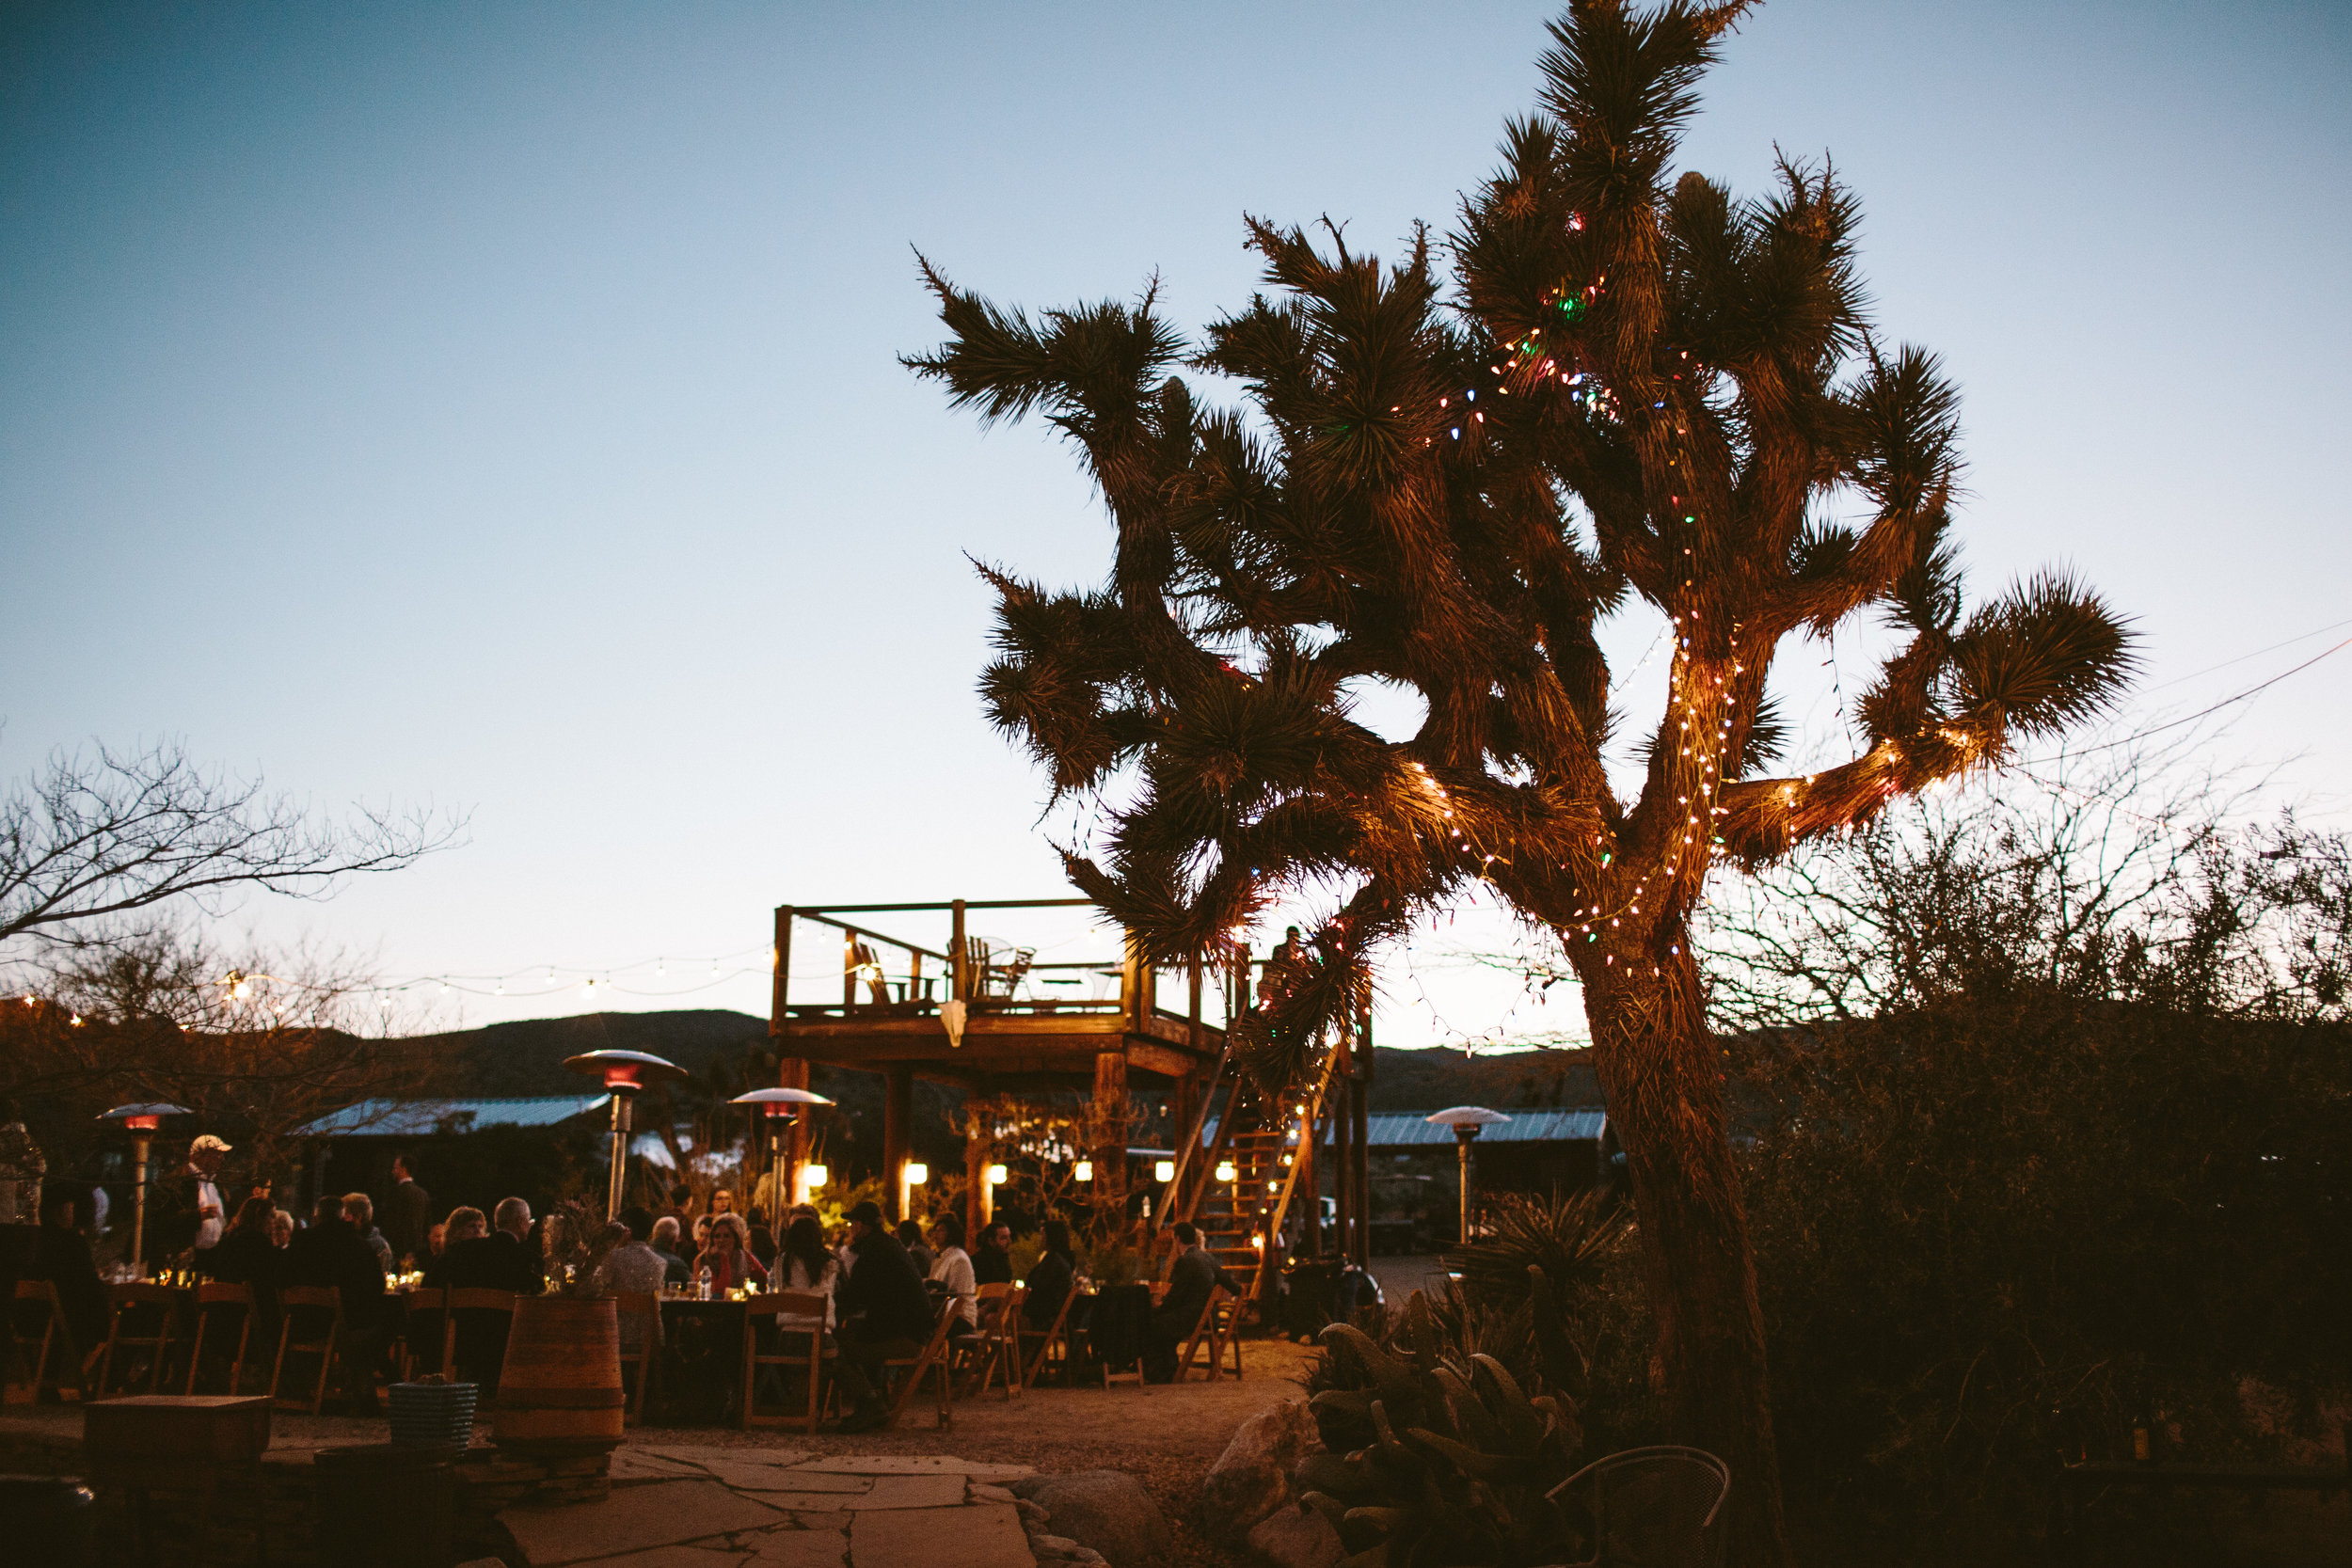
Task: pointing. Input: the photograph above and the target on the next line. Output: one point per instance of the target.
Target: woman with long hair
(806, 1263)
(729, 1256)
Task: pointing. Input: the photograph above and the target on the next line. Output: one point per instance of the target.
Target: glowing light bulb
(1162, 1170)
(1083, 1170)
(1225, 1170)
(917, 1173)
(996, 1175)
(815, 1173)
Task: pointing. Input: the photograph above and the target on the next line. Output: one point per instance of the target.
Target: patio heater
(778, 1107)
(624, 1072)
(1466, 1120)
(141, 1121)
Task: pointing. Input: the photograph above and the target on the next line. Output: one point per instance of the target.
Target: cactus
(1436, 1454)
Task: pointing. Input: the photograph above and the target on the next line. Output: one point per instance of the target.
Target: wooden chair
(210, 1296)
(976, 1355)
(1220, 1322)
(313, 1299)
(138, 1299)
(56, 1338)
(470, 1299)
(646, 1353)
(423, 1327)
(1057, 1333)
(934, 1359)
(800, 1303)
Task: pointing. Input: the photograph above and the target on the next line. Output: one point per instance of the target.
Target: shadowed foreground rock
(1106, 1510)
(1251, 1479)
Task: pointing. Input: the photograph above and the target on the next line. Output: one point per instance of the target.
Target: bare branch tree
(98, 834)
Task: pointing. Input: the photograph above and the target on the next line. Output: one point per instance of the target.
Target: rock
(1296, 1537)
(1052, 1545)
(1252, 1477)
(1085, 1557)
(984, 1493)
(1106, 1510)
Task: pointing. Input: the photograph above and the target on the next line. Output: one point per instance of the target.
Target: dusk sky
(500, 406)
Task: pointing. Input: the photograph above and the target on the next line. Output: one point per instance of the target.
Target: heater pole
(620, 1155)
(138, 1200)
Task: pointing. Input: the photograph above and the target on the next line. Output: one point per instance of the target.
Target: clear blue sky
(500, 404)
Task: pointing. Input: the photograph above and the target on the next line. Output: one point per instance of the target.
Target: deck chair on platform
(933, 1360)
(1220, 1328)
(57, 1350)
(814, 1362)
(214, 1299)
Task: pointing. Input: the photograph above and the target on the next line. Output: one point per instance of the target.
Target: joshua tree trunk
(1659, 1070)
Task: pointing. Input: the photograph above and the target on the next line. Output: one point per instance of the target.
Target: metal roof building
(416, 1119)
(1413, 1129)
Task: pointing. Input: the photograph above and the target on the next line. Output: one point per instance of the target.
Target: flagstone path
(687, 1507)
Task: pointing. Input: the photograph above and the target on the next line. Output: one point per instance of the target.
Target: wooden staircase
(1237, 1188)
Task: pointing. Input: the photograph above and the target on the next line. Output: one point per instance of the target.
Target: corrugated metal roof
(1409, 1130)
(414, 1118)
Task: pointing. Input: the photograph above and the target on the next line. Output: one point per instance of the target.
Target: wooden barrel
(560, 1385)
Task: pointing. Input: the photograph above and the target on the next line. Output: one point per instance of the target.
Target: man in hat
(883, 1312)
(212, 1220)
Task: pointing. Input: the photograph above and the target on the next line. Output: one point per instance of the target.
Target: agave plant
(1436, 1454)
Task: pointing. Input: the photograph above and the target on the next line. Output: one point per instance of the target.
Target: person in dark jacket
(911, 1237)
(881, 1311)
(1190, 1280)
(331, 1253)
(62, 1257)
(407, 1214)
(1051, 1278)
(991, 1264)
(246, 1257)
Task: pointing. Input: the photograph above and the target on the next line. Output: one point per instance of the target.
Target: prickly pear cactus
(1438, 1457)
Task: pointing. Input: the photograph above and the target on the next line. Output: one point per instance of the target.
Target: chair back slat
(311, 1296)
(214, 1293)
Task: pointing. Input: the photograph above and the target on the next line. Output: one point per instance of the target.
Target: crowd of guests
(883, 1289)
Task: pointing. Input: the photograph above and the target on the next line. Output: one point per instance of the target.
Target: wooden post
(1110, 1133)
(793, 1074)
(980, 1203)
(1131, 1003)
(897, 1124)
(849, 970)
(1304, 1186)
(1342, 1160)
(958, 983)
(780, 989)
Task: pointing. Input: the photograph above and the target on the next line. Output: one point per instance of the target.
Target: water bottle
(701, 1284)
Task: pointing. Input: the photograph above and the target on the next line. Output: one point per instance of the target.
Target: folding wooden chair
(1006, 1360)
(137, 1299)
(934, 1358)
(56, 1338)
(313, 1299)
(473, 1299)
(210, 1296)
(759, 1309)
(1057, 1333)
(1220, 1321)
(646, 1353)
(423, 1326)
(979, 1355)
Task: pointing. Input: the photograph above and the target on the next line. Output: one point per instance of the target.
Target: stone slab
(771, 1477)
(635, 1518)
(803, 1504)
(721, 1556)
(797, 1548)
(913, 1465)
(907, 1492)
(632, 1465)
(704, 1454)
(985, 1536)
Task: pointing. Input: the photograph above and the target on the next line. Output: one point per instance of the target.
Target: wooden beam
(1110, 1133)
(897, 1127)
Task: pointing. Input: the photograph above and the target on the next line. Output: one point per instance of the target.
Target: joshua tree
(1636, 386)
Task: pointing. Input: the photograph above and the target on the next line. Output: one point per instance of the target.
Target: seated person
(911, 1237)
(1191, 1279)
(952, 1270)
(665, 1246)
(332, 1254)
(633, 1267)
(881, 1313)
(728, 1258)
(248, 1257)
(1052, 1278)
(993, 1264)
(806, 1263)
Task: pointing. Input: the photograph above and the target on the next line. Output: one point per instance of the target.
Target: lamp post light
(1466, 1120)
(624, 1072)
(141, 1121)
(778, 1108)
